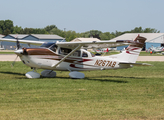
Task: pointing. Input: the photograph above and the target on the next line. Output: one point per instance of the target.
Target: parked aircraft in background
(73, 56)
(2, 48)
(156, 49)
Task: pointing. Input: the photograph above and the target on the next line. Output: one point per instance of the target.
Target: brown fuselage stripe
(47, 52)
(39, 51)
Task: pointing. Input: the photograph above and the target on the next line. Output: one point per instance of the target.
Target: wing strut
(55, 65)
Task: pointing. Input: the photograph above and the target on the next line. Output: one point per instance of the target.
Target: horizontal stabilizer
(135, 64)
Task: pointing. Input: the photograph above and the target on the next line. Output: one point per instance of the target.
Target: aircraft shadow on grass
(118, 77)
(97, 78)
(109, 79)
(12, 73)
(105, 78)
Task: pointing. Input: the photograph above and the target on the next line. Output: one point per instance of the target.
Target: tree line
(7, 27)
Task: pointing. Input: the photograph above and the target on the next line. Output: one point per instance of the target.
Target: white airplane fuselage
(72, 63)
(69, 56)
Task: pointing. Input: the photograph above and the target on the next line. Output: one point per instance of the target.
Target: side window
(84, 54)
(65, 51)
(76, 53)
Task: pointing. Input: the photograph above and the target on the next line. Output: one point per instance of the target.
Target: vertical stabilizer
(132, 51)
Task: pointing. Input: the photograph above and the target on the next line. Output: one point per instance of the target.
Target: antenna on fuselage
(64, 35)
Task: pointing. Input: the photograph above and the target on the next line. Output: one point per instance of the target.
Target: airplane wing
(84, 45)
(96, 44)
(23, 41)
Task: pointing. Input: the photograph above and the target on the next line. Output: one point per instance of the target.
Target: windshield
(53, 47)
(47, 45)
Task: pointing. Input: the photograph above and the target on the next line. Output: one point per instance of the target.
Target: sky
(85, 15)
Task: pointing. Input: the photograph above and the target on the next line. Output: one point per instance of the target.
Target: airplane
(156, 49)
(73, 56)
(1, 48)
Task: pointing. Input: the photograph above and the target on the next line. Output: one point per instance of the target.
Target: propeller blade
(18, 44)
(12, 65)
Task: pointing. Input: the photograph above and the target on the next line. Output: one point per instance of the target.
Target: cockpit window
(66, 51)
(84, 54)
(53, 47)
(76, 53)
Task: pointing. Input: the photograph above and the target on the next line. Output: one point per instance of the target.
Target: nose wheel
(32, 74)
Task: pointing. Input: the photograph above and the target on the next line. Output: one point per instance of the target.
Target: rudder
(132, 52)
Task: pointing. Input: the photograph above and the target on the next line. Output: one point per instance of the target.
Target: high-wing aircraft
(156, 49)
(73, 56)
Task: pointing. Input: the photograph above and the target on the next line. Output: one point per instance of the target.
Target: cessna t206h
(73, 56)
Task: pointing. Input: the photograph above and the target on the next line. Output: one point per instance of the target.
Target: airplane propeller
(17, 48)
(17, 43)
(13, 63)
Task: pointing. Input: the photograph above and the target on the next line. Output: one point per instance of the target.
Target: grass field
(135, 93)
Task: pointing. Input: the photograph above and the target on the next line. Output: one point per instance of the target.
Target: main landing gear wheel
(48, 74)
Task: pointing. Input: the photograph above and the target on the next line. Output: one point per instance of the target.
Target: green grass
(7, 52)
(135, 93)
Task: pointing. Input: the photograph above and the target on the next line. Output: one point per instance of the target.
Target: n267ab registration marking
(105, 63)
